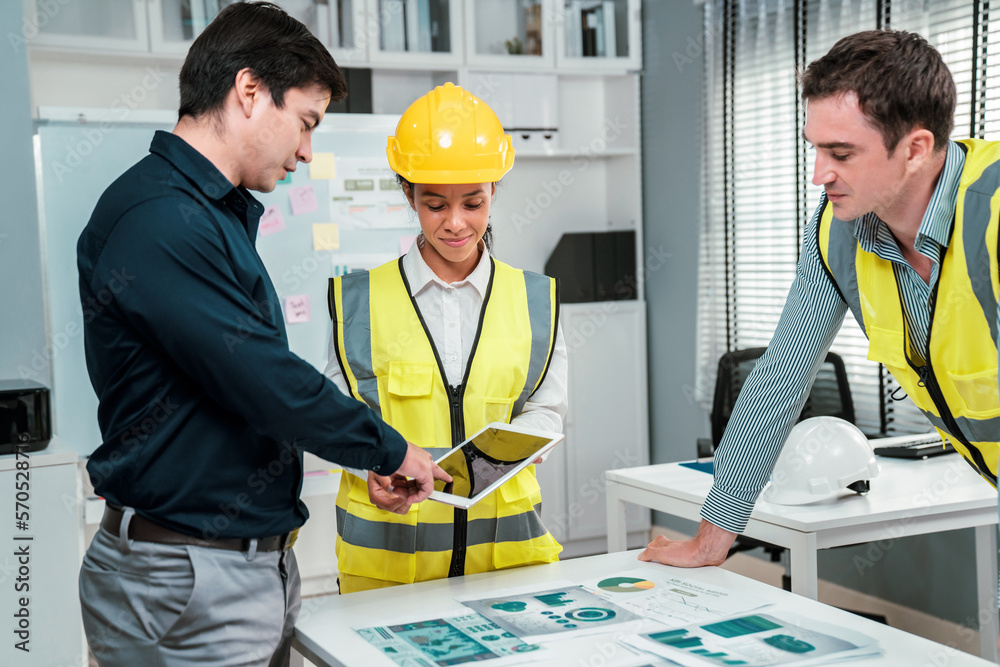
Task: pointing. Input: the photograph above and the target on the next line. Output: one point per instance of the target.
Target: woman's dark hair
(900, 80)
(487, 235)
(261, 36)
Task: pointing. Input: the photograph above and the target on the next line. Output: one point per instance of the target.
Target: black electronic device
(594, 266)
(919, 446)
(25, 416)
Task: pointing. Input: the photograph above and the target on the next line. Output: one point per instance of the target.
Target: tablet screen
(485, 459)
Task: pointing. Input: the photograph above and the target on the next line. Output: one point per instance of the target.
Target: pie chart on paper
(625, 585)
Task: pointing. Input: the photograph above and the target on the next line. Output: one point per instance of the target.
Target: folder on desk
(700, 466)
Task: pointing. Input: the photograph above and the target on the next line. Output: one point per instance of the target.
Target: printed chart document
(450, 641)
(648, 618)
(768, 637)
(554, 613)
(669, 599)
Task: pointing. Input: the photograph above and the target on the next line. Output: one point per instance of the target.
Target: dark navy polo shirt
(204, 411)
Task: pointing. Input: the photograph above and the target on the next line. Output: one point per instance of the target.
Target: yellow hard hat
(450, 136)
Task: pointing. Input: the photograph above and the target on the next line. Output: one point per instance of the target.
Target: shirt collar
(936, 223)
(207, 179)
(420, 276)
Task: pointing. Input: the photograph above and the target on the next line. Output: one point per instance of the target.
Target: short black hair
(261, 36)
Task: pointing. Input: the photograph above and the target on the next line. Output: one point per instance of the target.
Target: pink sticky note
(271, 221)
(297, 308)
(302, 199)
(405, 243)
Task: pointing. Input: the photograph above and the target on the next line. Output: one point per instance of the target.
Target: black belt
(144, 530)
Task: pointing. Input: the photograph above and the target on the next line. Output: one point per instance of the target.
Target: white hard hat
(821, 457)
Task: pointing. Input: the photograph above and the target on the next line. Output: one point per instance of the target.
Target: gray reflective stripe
(976, 430)
(435, 452)
(841, 257)
(401, 538)
(539, 290)
(977, 255)
(356, 311)
(519, 527)
(387, 536)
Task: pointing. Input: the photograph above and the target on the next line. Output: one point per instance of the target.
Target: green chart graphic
(590, 614)
(789, 643)
(625, 585)
(556, 599)
(737, 627)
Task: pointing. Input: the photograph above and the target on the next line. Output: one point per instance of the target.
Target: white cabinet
(572, 36)
(607, 424)
(527, 105)
(509, 34)
(350, 32)
(598, 35)
(174, 24)
(110, 26)
(415, 34)
(44, 557)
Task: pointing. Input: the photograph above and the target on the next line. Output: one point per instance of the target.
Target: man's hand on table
(709, 547)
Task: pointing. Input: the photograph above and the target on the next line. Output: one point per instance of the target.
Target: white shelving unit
(111, 27)
(415, 34)
(511, 35)
(598, 35)
(173, 24)
(437, 35)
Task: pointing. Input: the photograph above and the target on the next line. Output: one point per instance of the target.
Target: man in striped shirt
(902, 237)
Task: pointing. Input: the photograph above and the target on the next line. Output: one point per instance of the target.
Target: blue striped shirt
(775, 391)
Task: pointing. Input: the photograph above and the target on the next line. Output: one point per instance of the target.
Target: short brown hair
(900, 80)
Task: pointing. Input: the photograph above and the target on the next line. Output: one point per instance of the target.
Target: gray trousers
(160, 605)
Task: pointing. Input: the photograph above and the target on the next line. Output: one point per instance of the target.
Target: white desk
(324, 632)
(907, 498)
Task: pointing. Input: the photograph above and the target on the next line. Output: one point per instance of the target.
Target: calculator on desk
(919, 446)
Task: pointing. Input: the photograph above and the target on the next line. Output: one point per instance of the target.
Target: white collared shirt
(451, 313)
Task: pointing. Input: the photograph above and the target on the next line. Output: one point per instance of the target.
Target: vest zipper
(928, 380)
(461, 520)
(460, 535)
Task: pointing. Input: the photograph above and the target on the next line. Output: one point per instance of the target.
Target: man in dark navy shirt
(204, 411)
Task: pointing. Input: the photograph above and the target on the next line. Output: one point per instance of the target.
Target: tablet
(489, 458)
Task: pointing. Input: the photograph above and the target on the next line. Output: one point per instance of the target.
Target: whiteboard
(79, 152)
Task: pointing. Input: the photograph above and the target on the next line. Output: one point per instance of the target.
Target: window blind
(757, 173)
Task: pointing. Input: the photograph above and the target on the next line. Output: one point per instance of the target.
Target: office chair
(830, 394)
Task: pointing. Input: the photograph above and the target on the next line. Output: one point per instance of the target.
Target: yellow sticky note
(326, 236)
(322, 167)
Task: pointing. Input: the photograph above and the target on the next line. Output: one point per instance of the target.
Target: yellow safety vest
(390, 363)
(957, 387)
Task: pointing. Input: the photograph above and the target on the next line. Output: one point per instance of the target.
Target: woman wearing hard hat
(442, 342)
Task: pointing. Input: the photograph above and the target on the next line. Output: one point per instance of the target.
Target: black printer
(25, 416)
